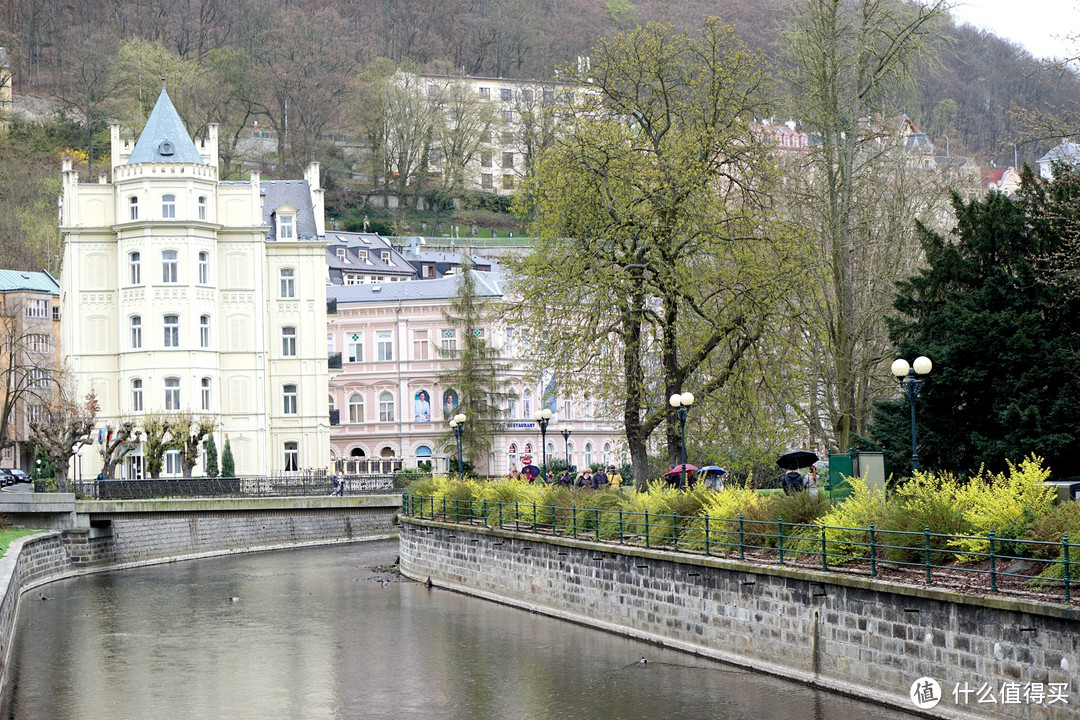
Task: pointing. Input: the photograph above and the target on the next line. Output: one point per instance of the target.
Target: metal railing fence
(305, 484)
(969, 563)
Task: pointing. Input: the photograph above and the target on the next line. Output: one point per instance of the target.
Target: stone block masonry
(853, 635)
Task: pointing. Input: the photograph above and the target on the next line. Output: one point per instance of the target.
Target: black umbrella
(795, 459)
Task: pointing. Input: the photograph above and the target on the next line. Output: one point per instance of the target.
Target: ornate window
(168, 206)
(356, 408)
(136, 332)
(204, 331)
(204, 393)
(172, 331)
(288, 282)
(133, 208)
(386, 407)
(172, 393)
(136, 395)
(289, 400)
(135, 268)
(168, 266)
(288, 341)
(204, 268)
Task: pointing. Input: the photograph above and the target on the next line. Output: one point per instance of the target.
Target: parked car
(10, 476)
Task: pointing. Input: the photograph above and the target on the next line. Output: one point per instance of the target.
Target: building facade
(186, 293)
(29, 357)
(391, 403)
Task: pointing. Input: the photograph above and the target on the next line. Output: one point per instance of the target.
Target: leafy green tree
(655, 269)
(157, 432)
(850, 63)
(478, 372)
(42, 464)
(991, 312)
(187, 435)
(211, 457)
(228, 467)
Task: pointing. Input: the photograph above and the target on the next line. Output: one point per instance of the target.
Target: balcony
(333, 361)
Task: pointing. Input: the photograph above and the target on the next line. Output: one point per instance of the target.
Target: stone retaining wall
(848, 634)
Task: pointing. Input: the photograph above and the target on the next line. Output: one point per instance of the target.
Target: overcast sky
(1047, 28)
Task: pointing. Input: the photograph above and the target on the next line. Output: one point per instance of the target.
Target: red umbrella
(678, 469)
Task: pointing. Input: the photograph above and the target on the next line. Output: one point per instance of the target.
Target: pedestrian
(599, 479)
(811, 481)
(566, 478)
(550, 477)
(792, 482)
(585, 479)
(614, 477)
(335, 483)
(341, 483)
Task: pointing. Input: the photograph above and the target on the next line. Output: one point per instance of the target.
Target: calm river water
(329, 633)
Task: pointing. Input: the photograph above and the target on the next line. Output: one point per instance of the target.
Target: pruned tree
(66, 428)
(120, 440)
(187, 433)
(157, 430)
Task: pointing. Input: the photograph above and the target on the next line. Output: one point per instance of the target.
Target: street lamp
(910, 385)
(566, 430)
(682, 402)
(543, 417)
(456, 424)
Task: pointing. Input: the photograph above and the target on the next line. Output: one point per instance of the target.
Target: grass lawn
(9, 534)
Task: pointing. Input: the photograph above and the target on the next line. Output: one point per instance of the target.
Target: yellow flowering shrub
(1005, 503)
(846, 534)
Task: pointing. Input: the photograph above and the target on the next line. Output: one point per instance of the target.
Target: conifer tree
(228, 466)
(479, 376)
(211, 457)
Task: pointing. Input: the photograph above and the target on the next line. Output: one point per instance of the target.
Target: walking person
(339, 484)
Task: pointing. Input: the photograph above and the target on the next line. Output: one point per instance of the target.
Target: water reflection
(318, 633)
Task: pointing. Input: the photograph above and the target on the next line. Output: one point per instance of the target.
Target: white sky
(1046, 28)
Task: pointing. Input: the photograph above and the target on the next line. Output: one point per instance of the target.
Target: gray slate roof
(374, 244)
(289, 192)
(1068, 151)
(165, 139)
(487, 285)
(11, 280)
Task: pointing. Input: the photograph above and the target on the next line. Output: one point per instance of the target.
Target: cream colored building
(183, 292)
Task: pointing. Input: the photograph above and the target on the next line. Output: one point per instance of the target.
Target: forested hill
(966, 98)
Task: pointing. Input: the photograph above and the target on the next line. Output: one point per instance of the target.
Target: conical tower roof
(165, 139)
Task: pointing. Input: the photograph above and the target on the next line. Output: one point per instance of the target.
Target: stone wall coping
(30, 502)
(119, 507)
(1053, 610)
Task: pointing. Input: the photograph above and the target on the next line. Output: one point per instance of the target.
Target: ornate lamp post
(910, 385)
(543, 417)
(566, 430)
(456, 424)
(682, 402)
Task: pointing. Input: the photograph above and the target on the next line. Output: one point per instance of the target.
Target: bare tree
(119, 442)
(187, 435)
(157, 428)
(65, 429)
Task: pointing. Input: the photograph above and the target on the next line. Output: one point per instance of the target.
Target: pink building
(390, 403)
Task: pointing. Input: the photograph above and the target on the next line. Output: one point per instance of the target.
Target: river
(333, 633)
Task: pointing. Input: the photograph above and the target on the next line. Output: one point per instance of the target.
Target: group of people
(586, 479)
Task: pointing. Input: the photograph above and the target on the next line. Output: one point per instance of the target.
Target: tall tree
(212, 470)
(186, 435)
(65, 429)
(849, 61)
(228, 466)
(989, 310)
(157, 430)
(120, 441)
(478, 372)
(655, 271)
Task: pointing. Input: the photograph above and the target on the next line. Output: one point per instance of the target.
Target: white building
(182, 292)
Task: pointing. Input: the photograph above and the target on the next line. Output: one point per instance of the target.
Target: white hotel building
(182, 292)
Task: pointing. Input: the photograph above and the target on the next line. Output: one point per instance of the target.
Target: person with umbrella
(792, 461)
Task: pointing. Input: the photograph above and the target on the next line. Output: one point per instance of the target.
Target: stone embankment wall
(119, 534)
(854, 635)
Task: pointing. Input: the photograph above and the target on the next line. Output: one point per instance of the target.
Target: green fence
(970, 563)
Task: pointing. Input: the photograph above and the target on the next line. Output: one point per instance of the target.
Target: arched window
(607, 453)
(292, 457)
(570, 452)
(172, 393)
(288, 282)
(204, 268)
(588, 454)
(388, 452)
(168, 266)
(568, 408)
(136, 332)
(172, 331)
(356, 408)
(136, 395)
(332, 403)
(204, 331)
(551, 449)
(168, 207)
(288, 341)
(528, 448)
(288, 395)
(512, 408)
(133, 208)
(135, 268)
(386, 407)
(357, 453)
(204, 393)
(202, 207)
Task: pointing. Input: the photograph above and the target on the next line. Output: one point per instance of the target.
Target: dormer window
(385, 256)
(166, 148)
(362, 254)
(341, 254)
(285, 217)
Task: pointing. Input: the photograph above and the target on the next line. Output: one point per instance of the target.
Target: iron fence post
(646, 529)
(742, 545)
(706, 536)
(500, 515)
(596, 520)
(534, 528)
(1065, 561)
(620, 527)
(554, 524)
(483, 510)
(780, 537)
(824, 556)
(573, 512)
(993, 564)
(675, 531)
(926, 553)
(873, 551)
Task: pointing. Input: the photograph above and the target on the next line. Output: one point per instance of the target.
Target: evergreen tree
(228, 467)
(993, 311)
(479, 377)
(45, 468)
(211, 457)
